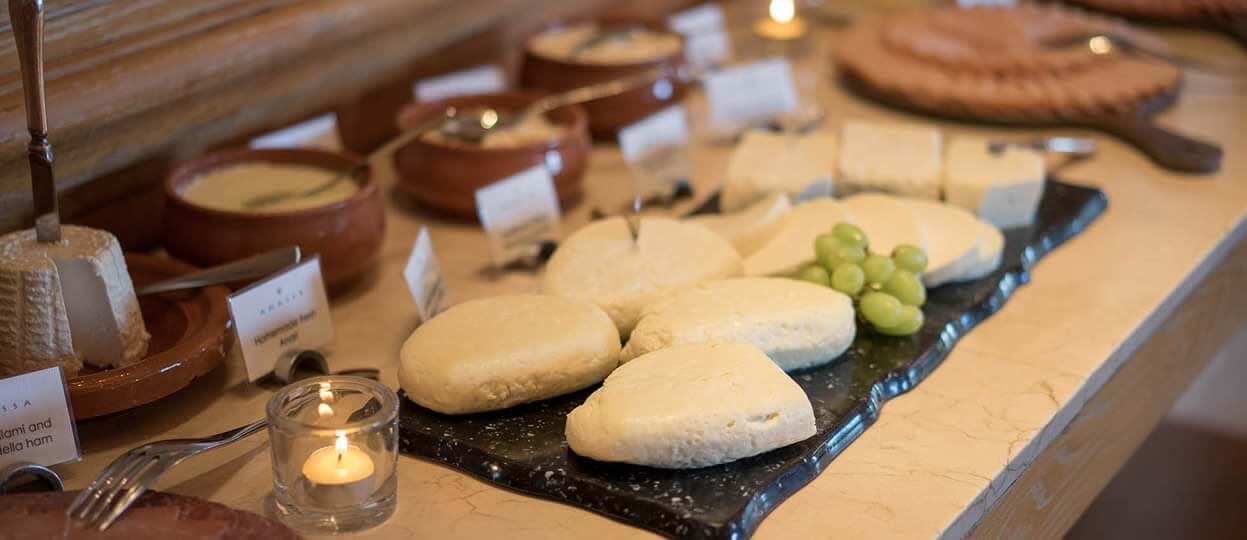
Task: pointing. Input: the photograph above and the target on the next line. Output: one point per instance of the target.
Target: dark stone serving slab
(523, 448)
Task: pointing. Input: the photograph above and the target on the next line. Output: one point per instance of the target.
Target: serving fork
(129, 476)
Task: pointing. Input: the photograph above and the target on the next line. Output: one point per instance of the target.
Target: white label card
(656, 148)
(704, 18)
(750, 92)
(707, 49)
(319, 132)
(35, 421)
(518, 213)
(424, 277)
(285, 314)
(484, 79)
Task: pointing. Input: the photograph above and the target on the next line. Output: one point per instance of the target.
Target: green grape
(910, 258)
(910, 322)
(842, 255)
(878, 268)
(824, 246)
(849, 233)
(907, 288)
(848, 279)
(815, 274)
(880, 309)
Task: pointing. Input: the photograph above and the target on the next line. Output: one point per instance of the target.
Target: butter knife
(27, 19)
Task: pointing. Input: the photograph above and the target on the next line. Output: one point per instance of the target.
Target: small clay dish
(188, 330)
(608, 115)
(346, 234)
(446, 175)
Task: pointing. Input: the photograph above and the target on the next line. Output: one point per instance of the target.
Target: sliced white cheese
(797, 324)
(1003, 189)
(501, 351)
(988, 255)
(953, 238)
(691, 406)
(750, 228)
(792, 245)
(600, 263)
(892, 158)
(887, 221)
(67, 303)
(790, 163)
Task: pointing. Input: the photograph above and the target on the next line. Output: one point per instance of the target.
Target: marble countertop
(939, 459)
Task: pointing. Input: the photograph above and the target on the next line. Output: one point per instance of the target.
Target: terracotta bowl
(446, 176)
(608, 115)
(347, 235)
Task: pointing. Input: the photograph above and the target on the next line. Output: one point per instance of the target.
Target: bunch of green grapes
(886, 290)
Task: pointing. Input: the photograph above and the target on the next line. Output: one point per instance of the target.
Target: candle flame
(340, 446)
(324, 410)
(783, 10)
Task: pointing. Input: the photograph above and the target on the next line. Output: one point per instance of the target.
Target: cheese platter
(526, 447)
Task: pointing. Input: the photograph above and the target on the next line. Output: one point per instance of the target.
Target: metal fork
(129, 476)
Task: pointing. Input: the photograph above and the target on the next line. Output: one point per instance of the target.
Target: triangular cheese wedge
(749, 229)
(792, 246)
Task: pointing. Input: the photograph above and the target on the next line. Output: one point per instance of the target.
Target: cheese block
(887, 221)
(600, 263)
(797, 324)
(498, 352)
(67, 303)
(792, 245)
(953, 238)
(893, 158)
(750, 228)
(987, 259)
(1003, 189)
(691, 406)
(766, 162)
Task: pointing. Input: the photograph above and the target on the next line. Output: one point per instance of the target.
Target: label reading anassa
(285, 314)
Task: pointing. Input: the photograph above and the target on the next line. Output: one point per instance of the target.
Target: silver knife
(27, 17)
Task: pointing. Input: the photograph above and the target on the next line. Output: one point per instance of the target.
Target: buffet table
(1013, 434)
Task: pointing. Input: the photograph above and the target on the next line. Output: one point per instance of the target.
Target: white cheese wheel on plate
(691, 406)
(953, 239)
(893, 158)
(600, 263)
(988, 255)
(749, 229)
(67, 303)
(797, 324)
(792, 245)
(1002, 188)
(887, 221)
(498, 352)
(791, 163)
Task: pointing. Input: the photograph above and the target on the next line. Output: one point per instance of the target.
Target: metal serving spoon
(252, 267)
(1104, 43)
(1056, 145)
(473, 125)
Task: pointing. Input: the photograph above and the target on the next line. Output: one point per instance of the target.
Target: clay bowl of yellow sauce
(208, 222)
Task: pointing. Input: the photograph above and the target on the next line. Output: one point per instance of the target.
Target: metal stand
(11, 474)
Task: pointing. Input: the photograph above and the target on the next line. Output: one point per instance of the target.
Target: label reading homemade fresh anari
(285, 314)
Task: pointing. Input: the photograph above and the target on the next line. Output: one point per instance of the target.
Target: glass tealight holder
(335, 453)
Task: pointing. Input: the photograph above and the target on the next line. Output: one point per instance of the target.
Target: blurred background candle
(782, 22)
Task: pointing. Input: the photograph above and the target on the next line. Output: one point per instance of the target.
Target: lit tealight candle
(783, 23)
(340, 475)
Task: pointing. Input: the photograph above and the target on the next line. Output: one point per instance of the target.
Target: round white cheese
(600, 263)
(792, 245)
(988, 255)
(953, 238)
(497, 352)
(797, 324)
(886, 221)
(67, 303)
(691, 406)
(749, 229)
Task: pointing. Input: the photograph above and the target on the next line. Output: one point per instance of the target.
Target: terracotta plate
(155, 515)
(188, 331)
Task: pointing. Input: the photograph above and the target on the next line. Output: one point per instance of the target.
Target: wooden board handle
(1165, 147)
(1237, 27)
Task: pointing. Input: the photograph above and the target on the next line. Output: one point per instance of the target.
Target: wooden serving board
(1234, 26)
(1136, 127)
(524, 448)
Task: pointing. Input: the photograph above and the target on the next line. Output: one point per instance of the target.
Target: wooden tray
(524, 448)
(155, 516)
(1234, 26)
(1165, 147)
(188, 331)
